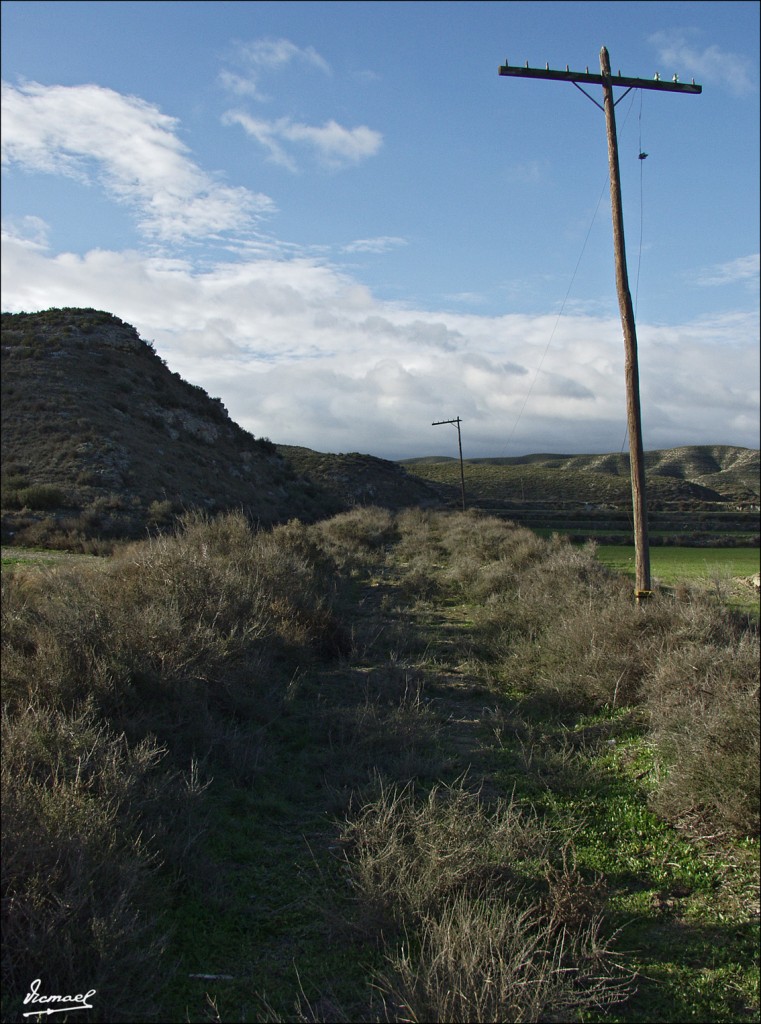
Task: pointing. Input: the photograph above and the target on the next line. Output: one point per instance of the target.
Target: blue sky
(338, 218)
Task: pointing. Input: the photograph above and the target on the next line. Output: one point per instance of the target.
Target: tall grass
(126, 689)
(450, 885)
(558, 626)
(121, 688)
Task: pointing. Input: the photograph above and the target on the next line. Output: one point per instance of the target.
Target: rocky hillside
(100, 437)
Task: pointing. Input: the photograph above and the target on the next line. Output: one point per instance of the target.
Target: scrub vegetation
(406, 766)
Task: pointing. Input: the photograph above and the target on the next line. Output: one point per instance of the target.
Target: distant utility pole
(457, 423)
(607, 81)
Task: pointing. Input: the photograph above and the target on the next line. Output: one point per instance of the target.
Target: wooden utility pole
(607, 81)
(633, 415)
(457, 423)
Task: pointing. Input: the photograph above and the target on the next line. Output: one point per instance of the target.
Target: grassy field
(674, 565)
(725, 573)
(42, 557)
(406, 767)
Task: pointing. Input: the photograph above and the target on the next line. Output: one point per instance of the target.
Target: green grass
(30, 557)
(725, 573)
(684, 914)
(674, 565)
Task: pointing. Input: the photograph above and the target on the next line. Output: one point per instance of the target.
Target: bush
(41, 496)
(114, 681)
(703, 705)
(409, 856)
(78, 803)
(482, 960)
(160, 513)
(565, 630)
(171, 612)
(358, 536)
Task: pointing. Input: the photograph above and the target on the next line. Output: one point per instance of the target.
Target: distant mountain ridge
(720, 472)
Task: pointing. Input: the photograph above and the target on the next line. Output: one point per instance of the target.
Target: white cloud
(335, 145)
(134, 152)
(30, 230)
(681, 54)
(305, 355)
(381, 244)
(743, 270)
(240, 85)
(274, 54)
(266, 55)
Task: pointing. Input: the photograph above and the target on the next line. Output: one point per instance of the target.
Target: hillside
(709, 473)
(100, 437)
(700, 494)
(360, 479)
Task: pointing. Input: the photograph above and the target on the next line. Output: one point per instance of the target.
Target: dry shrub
(407, 856)
(569, 630)
(482, 940)
(560, 624)
(482, 549)
(482, 960)
(177, 638)
(355, 539)
(478, 554)
(172, 616)
(389, 730)
(566, 631)
(83, 816)
(703, 702)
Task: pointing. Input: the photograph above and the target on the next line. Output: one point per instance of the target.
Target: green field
(672, 565)
(725, 572)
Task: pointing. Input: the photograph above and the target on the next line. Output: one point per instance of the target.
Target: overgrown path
(267, 929)
(387, 767)
(272, 926)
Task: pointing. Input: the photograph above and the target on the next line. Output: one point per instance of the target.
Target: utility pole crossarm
(590, 79)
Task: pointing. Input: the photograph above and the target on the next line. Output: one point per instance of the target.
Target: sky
(338, 218)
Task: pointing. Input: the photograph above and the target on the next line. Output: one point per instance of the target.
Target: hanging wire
(570, 286)
(642, 158)
(559, 316)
